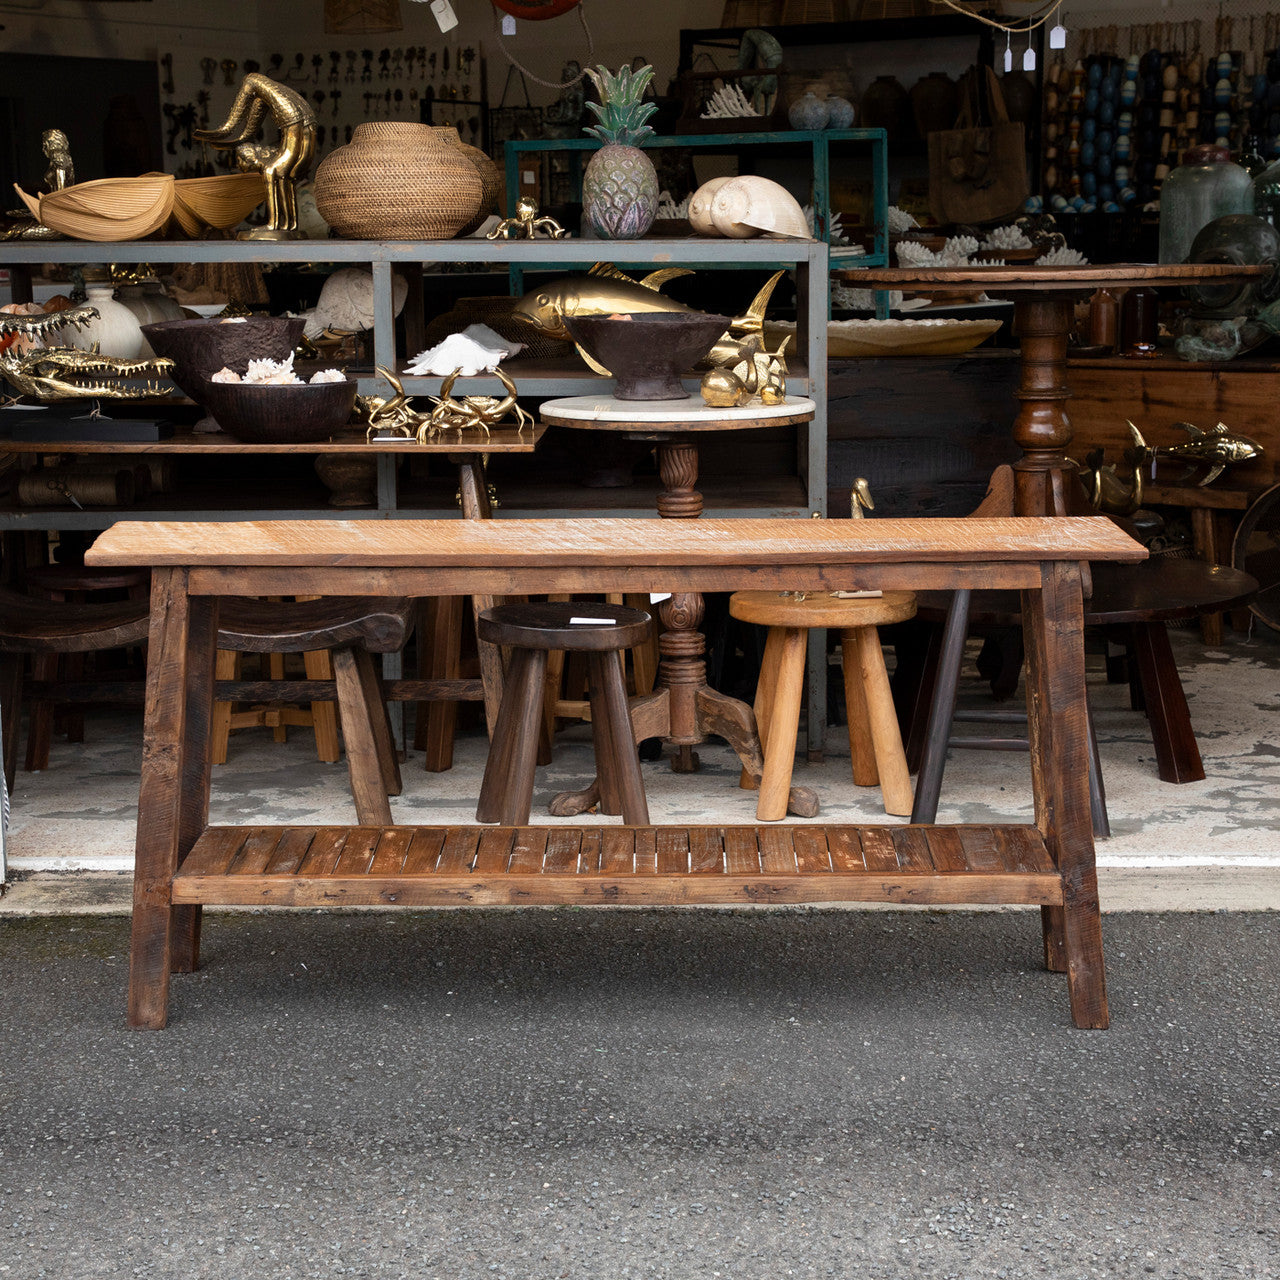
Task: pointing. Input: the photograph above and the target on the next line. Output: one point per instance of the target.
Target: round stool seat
(549, 625)
(60, 578)
(772, 609)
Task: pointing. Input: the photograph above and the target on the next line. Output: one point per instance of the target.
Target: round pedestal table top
(692, 413)
(1010, 280)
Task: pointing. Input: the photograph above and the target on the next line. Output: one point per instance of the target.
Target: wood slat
(424, 851)
(494, 851)
(458, 854)
(563, 844)
(741, 851)
(777, 853)
(357, 853)
(980, 850)
(322, 853)
(1023, 850)
(673, 851)
(589, 852)
(912, 846)
(844, 844)
(810, 844)
(618, 851)
(214, 852)
(389, 857)
(256, 852)
(289, 852)
(528, 850)
(946, 848)
(646, 851)
(878, 850)
(706, 850)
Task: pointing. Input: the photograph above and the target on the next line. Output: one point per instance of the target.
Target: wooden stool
(531, 631)
(75, 583)
(351, 629)
(47, 628)
(875, 743)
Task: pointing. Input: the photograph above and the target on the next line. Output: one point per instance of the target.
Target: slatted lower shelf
(487, 866)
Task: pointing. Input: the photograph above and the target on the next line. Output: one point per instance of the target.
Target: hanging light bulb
(1008, 53)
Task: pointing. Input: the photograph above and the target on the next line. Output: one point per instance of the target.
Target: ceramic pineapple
(620, 186)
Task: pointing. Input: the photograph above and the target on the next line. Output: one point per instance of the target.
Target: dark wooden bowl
(647, 353)
(260, 414)
(199, 348)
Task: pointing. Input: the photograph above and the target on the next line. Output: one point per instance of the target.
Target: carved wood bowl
(199, 348)
(648, 352)
(259, 414)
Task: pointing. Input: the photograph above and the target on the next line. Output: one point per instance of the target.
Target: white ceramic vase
(116, 330)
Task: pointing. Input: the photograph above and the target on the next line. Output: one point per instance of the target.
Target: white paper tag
(508, 25)
(857, 595)
(657, 597)
(444, 14)
(591, 622)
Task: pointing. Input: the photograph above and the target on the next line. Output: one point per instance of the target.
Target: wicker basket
(797, 12)
(897, 9)
(397, 181)
(107, 209)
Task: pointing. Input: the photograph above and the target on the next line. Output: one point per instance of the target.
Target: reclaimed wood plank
(589, 851)
(424, 851)
(646, 851)
(980, 850)
(459, 851)
(706, 850)
(912, 847)
(289, 852)
(563, 844)
(672, 851)
(878, 849)
(618, 851)
(844, 844)
(214, 852)
(810, 845)
(323, 851)
(357, 852)
(256, 852)
(1021, 849)
(741, 851)
(528, 850)
(777, 853)
(493, 853)
(392, 849)
(945, 848)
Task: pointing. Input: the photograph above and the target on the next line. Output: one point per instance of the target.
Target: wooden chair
(875, 743)
(531, 631)
(351, 629)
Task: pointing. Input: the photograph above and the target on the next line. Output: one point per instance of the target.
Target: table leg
(476, 506)
(173, 800)
(1058, 721)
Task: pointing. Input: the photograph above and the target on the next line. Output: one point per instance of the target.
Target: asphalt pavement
(653, 1093)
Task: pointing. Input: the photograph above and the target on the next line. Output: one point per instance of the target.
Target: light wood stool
(875, 742)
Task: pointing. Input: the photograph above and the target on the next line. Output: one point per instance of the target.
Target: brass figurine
(67, 373)
(526, 224)
(470, 412)
(62, 170)
(282, 165)
(394, 416)
(1217, 448)
(723, 389)
(860, 499)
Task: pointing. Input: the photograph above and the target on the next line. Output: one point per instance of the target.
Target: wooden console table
(182, 862)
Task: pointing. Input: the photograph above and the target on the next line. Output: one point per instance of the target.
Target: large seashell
(746, 206)
(700, 206)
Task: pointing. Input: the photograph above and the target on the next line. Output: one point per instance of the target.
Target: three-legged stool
(875, 742)
(530, 631)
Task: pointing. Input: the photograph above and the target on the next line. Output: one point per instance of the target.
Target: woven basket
(397, 181)
(796, 12)
(219, 201)
(107, 209)
(897, 9)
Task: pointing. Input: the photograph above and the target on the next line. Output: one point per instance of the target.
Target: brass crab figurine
(480, 412)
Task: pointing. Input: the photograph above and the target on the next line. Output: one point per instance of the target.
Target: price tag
(444, 14)
(657, 597)
(508, 25)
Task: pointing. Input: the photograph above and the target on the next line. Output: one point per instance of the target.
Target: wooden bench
(182, 863)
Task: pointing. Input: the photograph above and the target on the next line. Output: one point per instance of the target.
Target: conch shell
(700, 206)
(746, 206)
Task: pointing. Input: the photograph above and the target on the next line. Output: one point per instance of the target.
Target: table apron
(432, 580)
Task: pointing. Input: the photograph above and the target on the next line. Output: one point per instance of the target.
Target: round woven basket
(397, 181)
(490, 177)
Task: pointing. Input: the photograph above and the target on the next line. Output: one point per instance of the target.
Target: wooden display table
(684, 709)
(182, 863)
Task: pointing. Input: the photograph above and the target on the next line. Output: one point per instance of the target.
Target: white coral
(1007, 237)
(1062, 257)
(900, 221)
(226, 375)
(272, 373)
(911, 253)
(327, 375)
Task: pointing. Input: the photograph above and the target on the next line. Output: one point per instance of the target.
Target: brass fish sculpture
(605, 289)
(1217, 449)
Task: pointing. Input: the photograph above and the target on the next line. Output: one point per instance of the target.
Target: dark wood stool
(530, 631)
(45, 629)
(76, 583)
(351, 628)
(1132, 604)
